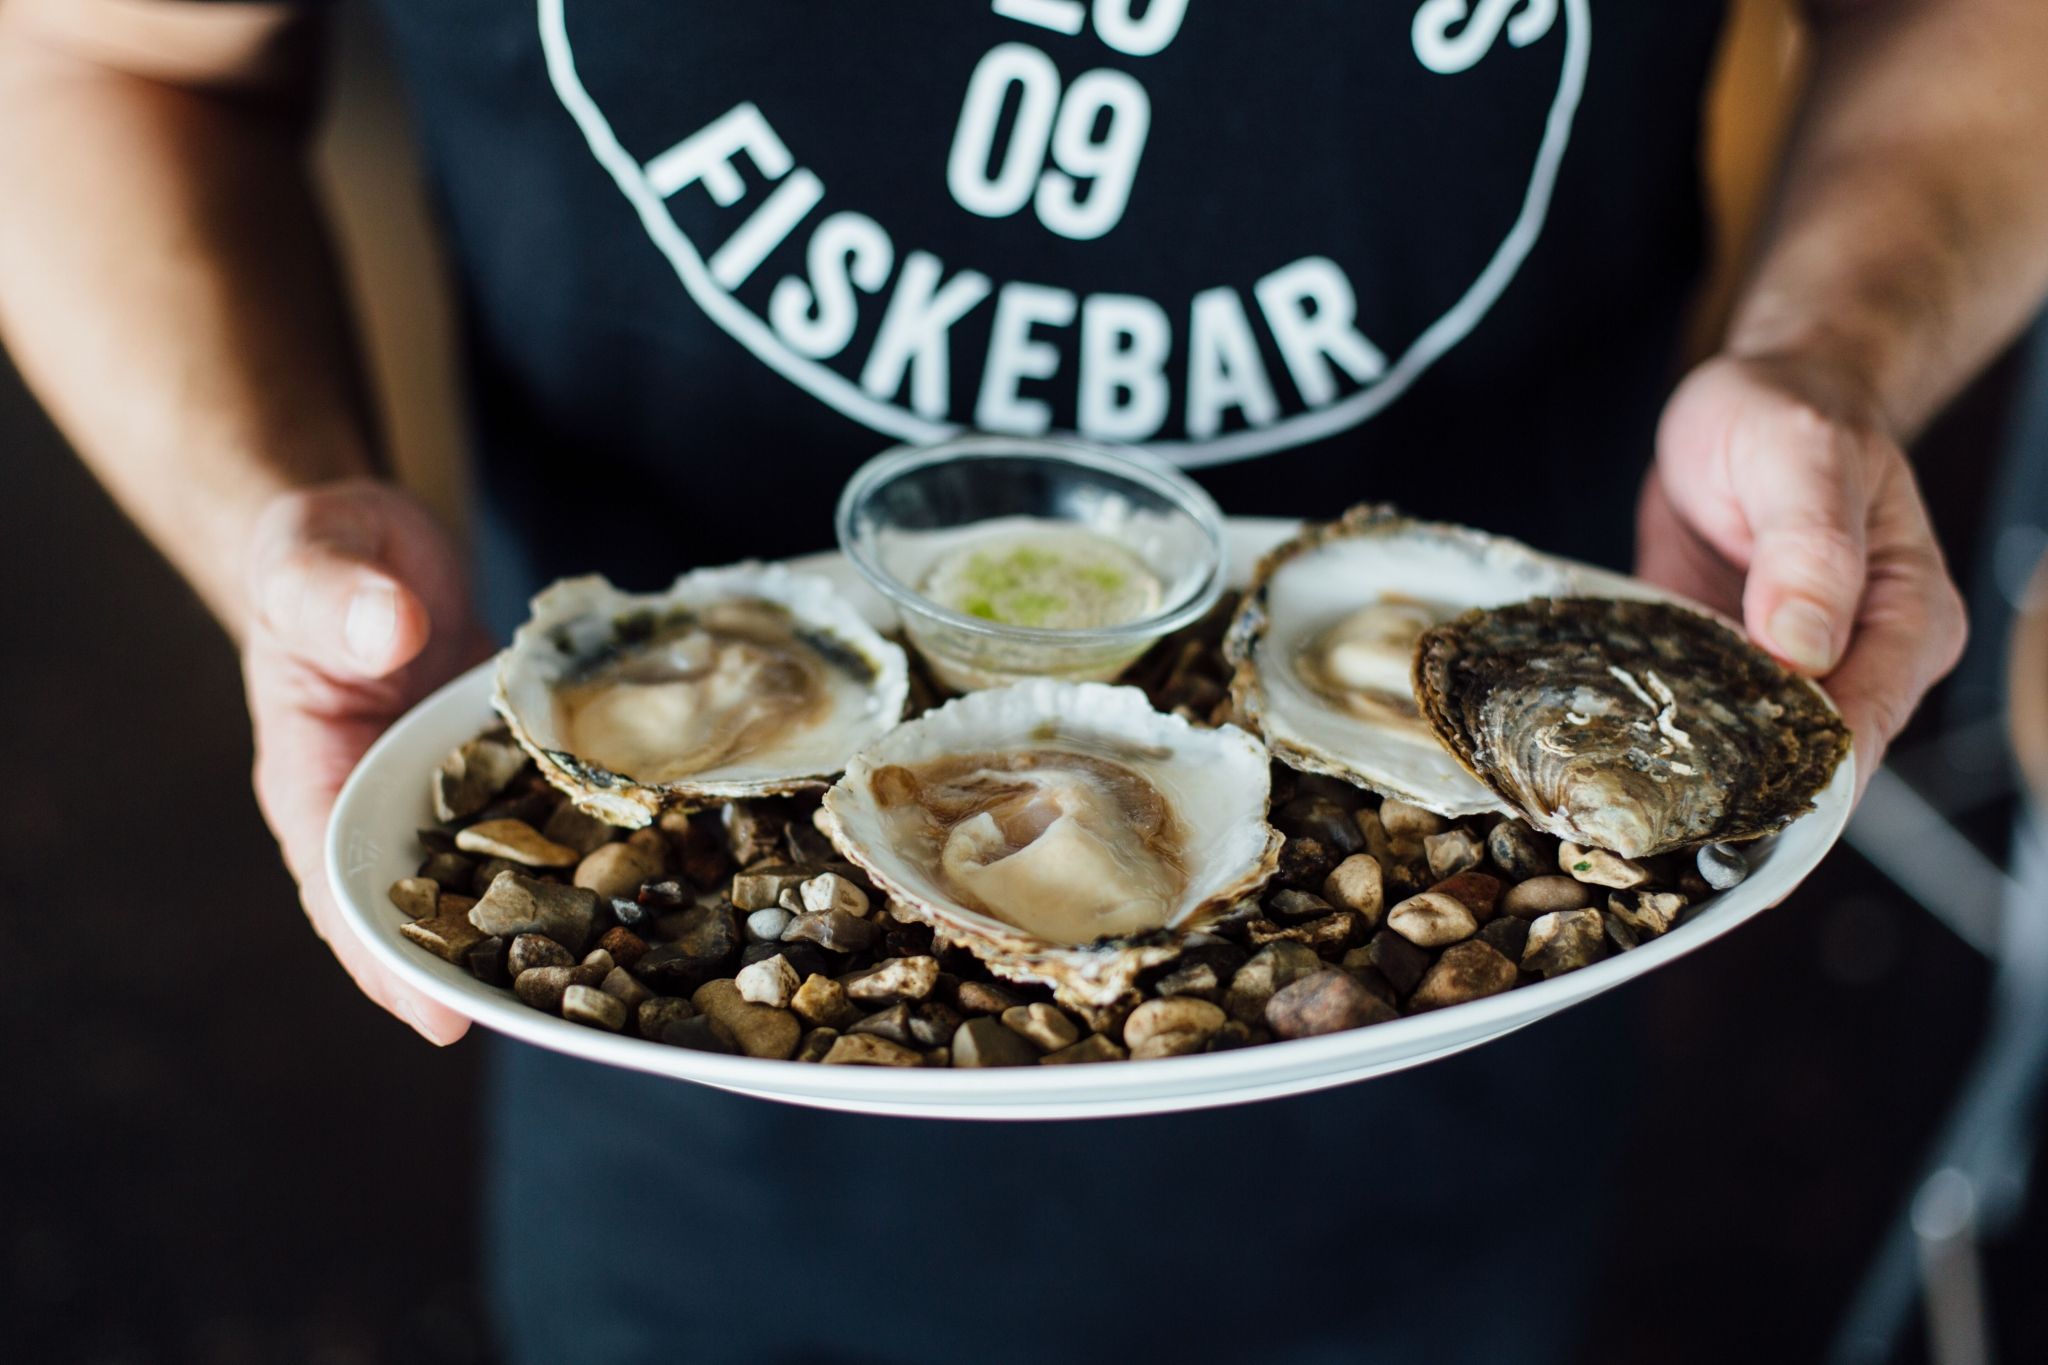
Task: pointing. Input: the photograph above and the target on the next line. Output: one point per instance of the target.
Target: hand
(1778, 498)
(358, 608)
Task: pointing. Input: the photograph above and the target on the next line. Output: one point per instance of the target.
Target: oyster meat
(742, 681)
(1065, 833)
(1323, 646)
(1634, 726)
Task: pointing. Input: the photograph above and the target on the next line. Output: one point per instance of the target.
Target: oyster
(742, 681)
(1065, 833)
(1324, 643)
(1634, 726)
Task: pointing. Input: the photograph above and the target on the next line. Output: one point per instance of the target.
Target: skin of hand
(358, 608)
(1781, 500)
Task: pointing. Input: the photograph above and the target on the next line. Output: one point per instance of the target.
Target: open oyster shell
(1634, 726)
(1324, 641)
(1021, 821)
(748, 680)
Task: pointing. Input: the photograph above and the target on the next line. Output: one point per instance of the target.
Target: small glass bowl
(906, 507)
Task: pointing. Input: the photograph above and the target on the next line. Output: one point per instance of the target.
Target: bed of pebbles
(740, 929)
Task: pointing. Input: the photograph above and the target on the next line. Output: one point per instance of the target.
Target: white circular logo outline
(847, 397)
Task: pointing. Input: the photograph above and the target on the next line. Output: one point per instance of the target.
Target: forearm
(166, 289)
(1910, 240)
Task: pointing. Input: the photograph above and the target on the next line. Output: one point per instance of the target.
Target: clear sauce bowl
(907, 509)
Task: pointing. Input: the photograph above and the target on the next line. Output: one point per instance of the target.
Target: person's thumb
(320, 594)
(1803, 493)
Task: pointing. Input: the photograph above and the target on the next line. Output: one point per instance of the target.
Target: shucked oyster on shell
(749, 680)
(1634, 726)
(1324, 643)
(1065, 833)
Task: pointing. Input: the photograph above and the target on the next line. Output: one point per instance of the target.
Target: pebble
(1722, 866)
(416, 897)
(900, 978)
(625, 946)
(469, 777)
(589, 1005)
(1478, 892)
(1404, 821)
(703, 939)
(1455, 850)
(821, 1002)
(1174, 1043)
(1466, 971)
(1432, 920)
(1506, 935)
(1193, 980)
(578, 829)
(1325, 935)
(657, 1012)
(1328, 1002)
(760, 1030)
(933, 1023)
(486, 961)
(758, 888)
(698, 847)
(489, 871)
(753, 832)
(830, 891)
(1292, 907)
(1620, 933)
(815, 1042)
(616, 870)
(625, 987)
(449, 869)
(1649, 913)
(1093, 1048)
(542, 987)
(892, 1023)
(1564, 941)
(766, 926)
(1305, 862)
(1358, 962)
(527, 951)
(1357, 884)
(770, 982)
(1234, 1035)
(907, 940)
(519, 904)
(806, 844)
(448, 937)
(1546, 895)
(1321, 818)
(1520, 851)
(1600, 868)
(1400, 961)
(515, 841)
(653, 845)
(700, 1034)
(600, 959)
(985, 997)
(1274, 966)
(866, 1049)
(833, 930)
(985, 1041)
(1182, 1014)
(636, 914)
(1044, 1025)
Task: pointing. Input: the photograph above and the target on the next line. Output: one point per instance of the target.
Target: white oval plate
(371, 842)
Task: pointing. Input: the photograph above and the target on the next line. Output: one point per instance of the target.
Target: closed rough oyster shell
(1634, 726)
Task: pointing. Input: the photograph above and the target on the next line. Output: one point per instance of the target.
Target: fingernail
(1801, 633)
(372, 622)
(410, 1012)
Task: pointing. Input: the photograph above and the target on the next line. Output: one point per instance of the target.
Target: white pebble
(771, 981)
(766, 926)
(830, 891)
